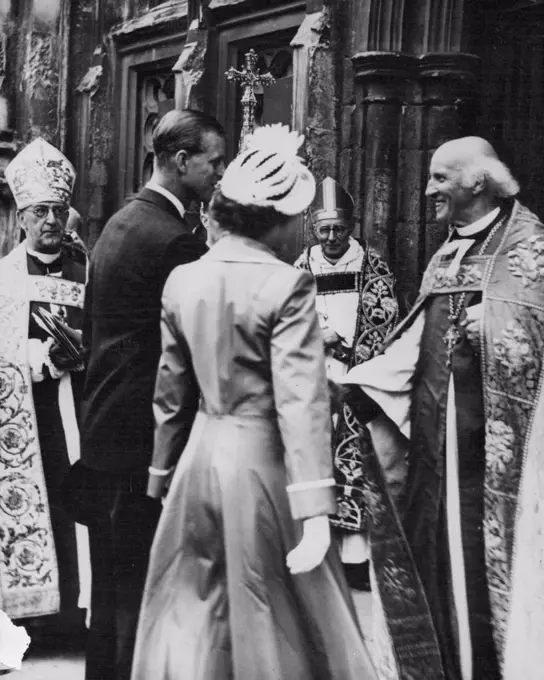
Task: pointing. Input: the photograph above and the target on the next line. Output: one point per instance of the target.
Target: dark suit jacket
(130, 262)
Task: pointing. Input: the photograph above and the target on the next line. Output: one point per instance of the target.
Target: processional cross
(250, 79)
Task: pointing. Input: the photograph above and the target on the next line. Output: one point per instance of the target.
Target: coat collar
(236, 248)
(178, 205)
(162, 202)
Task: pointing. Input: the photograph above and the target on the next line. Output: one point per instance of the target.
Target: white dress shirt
(169, 195)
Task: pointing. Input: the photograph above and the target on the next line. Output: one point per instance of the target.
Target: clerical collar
(46, 258)
(178, 205)
(479, 225)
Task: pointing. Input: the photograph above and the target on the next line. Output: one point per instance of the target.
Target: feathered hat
(268, 172)
(39, 173)
(331, 202)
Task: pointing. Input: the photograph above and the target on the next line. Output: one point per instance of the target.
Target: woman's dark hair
(178, 130)
(246, 220)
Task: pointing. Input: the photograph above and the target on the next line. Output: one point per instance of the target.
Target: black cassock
(53, 447)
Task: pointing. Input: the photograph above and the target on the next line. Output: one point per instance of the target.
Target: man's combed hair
(182, 130)
(498, 177)
(246, 220)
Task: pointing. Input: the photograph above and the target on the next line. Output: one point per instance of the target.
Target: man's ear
(20, 220)
(479, 184)
(181, 159)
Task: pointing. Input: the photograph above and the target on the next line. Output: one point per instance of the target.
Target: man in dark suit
(131, 260)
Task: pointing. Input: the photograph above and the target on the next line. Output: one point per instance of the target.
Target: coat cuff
(309, 499)
(158, 481)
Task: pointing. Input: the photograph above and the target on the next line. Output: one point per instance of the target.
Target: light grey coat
(241, 343)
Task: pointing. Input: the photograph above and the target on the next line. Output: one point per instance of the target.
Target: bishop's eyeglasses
(42, 211)
(339, 229)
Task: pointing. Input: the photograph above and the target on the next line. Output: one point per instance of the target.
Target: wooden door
(270, 36)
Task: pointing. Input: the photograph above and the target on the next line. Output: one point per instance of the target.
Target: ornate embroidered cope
(511, 281)
(28, 564)
(356, 298)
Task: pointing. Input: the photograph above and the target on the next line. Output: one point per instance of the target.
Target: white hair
(497, 176)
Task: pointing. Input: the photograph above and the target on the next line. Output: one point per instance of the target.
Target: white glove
(310, 552)
(38, 359)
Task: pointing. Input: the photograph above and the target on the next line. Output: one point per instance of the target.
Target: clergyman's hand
(330, 336)
(338, 395)
(471, 325)
(61, 360)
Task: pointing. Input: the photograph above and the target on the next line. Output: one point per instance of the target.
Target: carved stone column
(382, 79)
(42, 70)
(315, 92)
(449, 94)
(415, 88)
(312, 113)
(190, 68)
(9, 231)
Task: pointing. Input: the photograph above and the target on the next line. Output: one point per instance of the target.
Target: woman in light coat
(243, 582)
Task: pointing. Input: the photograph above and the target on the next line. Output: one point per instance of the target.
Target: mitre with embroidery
(40, 173)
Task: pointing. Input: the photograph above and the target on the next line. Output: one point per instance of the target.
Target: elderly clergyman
(461, 378)
(40, 381)
(357, 309)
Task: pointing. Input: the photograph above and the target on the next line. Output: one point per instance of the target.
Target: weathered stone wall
(57, 81)
(93, 102)
(323, 98)
(46, 49)
(9, 232)
(33, 74)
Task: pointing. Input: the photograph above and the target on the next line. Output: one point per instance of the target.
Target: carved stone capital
(369, 65)
(446, 77)
(384, 75)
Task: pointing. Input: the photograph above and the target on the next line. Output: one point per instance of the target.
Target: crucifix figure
(451, 338)
(249, 78)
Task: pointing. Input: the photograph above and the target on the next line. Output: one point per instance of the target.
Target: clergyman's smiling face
(446, 188)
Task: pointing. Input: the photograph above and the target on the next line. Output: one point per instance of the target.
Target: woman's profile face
(215, 232)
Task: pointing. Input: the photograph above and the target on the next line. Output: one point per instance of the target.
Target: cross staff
(249, 78)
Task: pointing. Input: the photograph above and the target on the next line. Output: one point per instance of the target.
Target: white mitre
(40, 173)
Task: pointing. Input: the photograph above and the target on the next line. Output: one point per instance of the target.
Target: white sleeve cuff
(305, 486)
(159, 472)
(38, 355)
